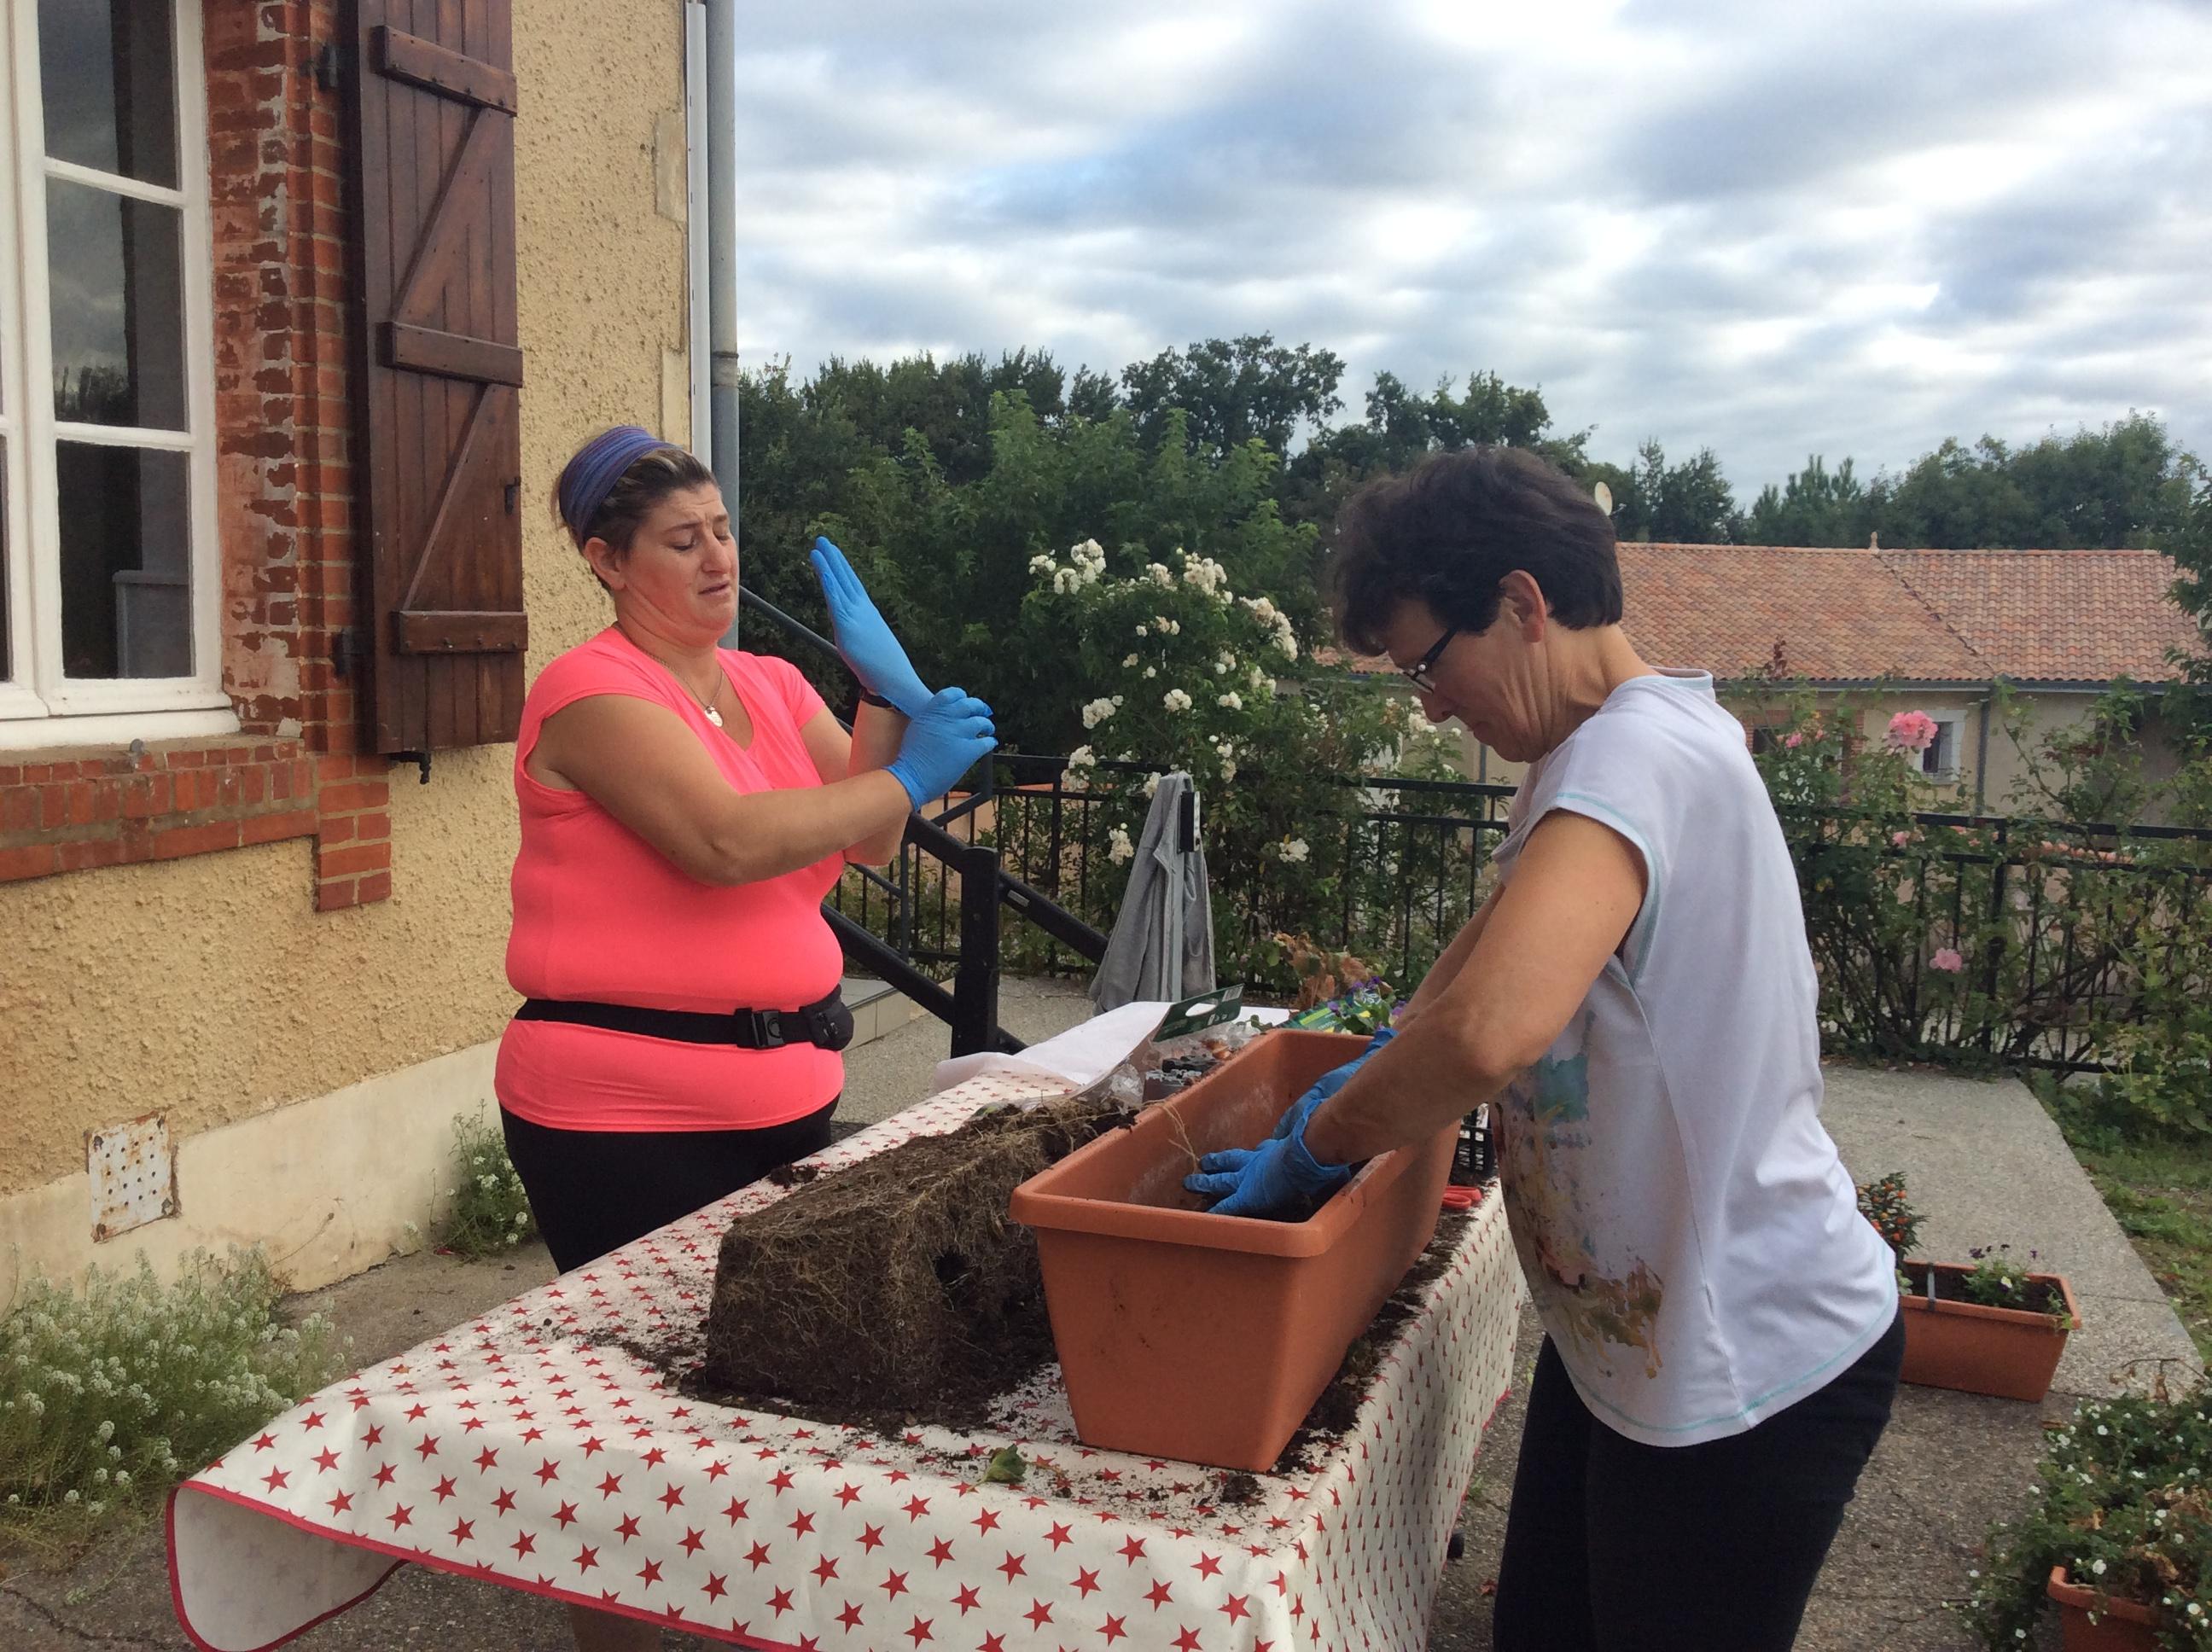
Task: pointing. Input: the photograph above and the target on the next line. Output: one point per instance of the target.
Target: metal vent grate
(134, 1174)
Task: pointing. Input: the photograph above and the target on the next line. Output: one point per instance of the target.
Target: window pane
(7, 657)
(118, 308)
(126, 561)
(109, 86)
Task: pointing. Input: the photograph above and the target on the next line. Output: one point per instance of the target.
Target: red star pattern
(543, 1385)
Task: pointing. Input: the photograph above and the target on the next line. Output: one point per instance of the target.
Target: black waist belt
(827, 1023)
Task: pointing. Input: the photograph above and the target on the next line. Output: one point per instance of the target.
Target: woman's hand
(871, 651)
(950, 734)
(1275, 1176)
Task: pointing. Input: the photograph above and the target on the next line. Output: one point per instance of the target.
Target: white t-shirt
(1692, 1239)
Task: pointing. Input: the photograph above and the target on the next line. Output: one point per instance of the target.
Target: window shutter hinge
(420, 759)
(351, 647)
(514, 496)
(326, 66)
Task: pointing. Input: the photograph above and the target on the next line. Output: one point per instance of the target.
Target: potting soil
(992, 1381)
(897, 1288)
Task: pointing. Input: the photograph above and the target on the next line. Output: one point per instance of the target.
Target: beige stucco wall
(208, 989)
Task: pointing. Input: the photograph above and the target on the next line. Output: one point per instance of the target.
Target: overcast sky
(1775, 229)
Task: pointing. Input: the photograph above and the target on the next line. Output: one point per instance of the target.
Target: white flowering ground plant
(1168, 667)
(488, 1213)
(2123, 1504)
(111, 1391)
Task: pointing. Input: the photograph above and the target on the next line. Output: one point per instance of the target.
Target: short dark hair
(1450, 529)
(649, 479)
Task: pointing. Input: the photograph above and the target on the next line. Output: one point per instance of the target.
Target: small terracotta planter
(1208, 1338)
(2008, 1353)
(2121, 1625)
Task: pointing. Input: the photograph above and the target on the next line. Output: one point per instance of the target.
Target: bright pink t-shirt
(601, 914)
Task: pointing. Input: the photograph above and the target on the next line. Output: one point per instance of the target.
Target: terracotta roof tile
(2056, 616)
(1827, 615)
(1843, 615)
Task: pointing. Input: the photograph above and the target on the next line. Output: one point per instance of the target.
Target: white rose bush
(1218, 685)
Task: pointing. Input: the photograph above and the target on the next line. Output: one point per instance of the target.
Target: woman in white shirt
(1637, 1000)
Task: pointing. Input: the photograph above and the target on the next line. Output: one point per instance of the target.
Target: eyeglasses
(1421, 673)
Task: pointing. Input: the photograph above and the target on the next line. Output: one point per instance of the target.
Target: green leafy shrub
(115, 1389)
(489, 1213)
(2123, 1504)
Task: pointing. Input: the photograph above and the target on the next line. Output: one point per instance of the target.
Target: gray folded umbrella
(1162, 946)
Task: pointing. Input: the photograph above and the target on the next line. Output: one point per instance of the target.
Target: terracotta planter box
(2121, 1625)
(1208, 1338)
(2005, 1351)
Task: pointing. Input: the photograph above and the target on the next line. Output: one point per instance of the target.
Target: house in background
(1933, 631)
(301, 306)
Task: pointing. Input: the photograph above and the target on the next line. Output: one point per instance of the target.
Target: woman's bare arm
(874, 741)
(640, 762)
(1574, 893)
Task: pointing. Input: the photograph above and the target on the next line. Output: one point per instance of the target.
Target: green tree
(948, 560)
(1403, 426)
(1814, 507)
(2127, 483)
(796, 456)
(1236, 391)
(1690, 503)
(2191, 546)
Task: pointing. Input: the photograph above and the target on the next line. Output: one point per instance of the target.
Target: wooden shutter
(438, 459)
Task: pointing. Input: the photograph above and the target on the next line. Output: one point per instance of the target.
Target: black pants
(593, 1191)
(1611, 1545)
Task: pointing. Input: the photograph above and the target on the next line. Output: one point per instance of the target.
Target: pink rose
(1947, 960)
(1911, 730)
(1793, 741)
(1901, 839)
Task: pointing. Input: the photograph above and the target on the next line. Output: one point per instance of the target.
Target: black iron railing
(1405, 870)
(933, 916)
(2053, 928)
(2000, 941)
(1947, 938)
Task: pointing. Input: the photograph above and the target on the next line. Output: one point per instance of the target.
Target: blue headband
(599, 464)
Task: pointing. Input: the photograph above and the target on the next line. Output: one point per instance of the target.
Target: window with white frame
(108, 606)
(1941, 760)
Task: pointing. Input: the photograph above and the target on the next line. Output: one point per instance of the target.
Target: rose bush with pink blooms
(1952, 938)
(1911, 730)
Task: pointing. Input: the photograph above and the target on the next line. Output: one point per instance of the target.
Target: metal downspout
(700, 360)
(722, 253)
(1982, 752)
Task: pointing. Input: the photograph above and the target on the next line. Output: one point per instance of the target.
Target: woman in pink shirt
(685, 807)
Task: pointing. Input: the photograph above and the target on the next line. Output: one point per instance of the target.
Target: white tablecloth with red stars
(529, 1448)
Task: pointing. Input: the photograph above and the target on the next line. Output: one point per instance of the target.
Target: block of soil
(897, 1284)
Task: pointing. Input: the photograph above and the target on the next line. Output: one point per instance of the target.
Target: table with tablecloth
(542, 1447)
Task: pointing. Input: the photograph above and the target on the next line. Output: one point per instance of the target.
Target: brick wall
(284, 510)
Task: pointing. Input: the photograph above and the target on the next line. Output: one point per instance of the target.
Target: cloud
(1770, 231)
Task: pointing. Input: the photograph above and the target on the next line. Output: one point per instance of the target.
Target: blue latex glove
(871, 651)
(1327, 1084)
(946, 738)
(1278, 1175)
